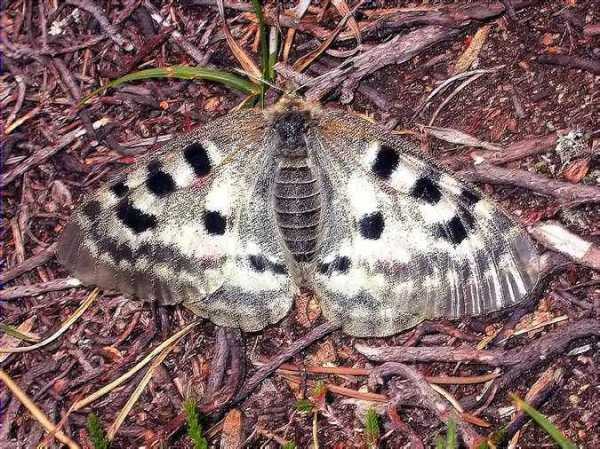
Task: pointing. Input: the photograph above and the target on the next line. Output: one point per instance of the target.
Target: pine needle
(544, 423)
(36, 412)
(63, 328)
(115, 383)
(114, 428)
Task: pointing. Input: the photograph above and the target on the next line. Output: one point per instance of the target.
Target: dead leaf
(240, 54)
(576, 170)
(307, 309)
(344, 10)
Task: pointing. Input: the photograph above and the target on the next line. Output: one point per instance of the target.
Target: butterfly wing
(410, 241)
(180, 227)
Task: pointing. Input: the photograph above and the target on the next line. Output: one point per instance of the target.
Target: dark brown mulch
(546, 79)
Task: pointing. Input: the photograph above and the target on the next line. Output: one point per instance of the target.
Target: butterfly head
(291, 119)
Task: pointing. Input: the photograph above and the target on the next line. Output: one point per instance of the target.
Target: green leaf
(194, 428)
(304, 406)
(372, 432)
(183, 72)
(544, 423)
(96, 431)
(289, 445)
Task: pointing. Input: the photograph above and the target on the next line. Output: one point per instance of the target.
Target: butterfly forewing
(178, 229)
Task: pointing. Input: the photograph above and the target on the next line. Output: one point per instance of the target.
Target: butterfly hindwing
(417, 243)
(175, 229)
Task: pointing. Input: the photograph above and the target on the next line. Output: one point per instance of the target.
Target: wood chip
(233, 430)
(472, 52)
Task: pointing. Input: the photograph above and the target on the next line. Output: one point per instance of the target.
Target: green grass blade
(183, 72)
(14, 332)
(544, 423)
(440, 442)
(372, 432)
(451, 437)
(273, 52)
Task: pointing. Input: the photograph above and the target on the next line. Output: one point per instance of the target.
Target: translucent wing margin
(413, 242)
(175, 229)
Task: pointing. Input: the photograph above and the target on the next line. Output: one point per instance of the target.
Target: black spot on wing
(426, 189)
(279, 268)
(260, 263)
(469, 197)
(135, 219)
(92, 209)
(124, 252)
(386, 162)
(160, 183)
(154, 166)
(340, 264)
(454, 231)
(214, 223)
(371, 226)
(196, 155)
(119, 189)
(467, 217)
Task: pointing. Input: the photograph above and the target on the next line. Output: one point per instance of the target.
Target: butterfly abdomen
(297, 203)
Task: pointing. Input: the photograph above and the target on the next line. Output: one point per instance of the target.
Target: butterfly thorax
(297, 188)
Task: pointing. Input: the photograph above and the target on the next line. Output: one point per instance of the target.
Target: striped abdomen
(297, 201)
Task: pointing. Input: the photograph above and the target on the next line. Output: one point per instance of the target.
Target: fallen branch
(108, 27)
(593, 29)
(40, 156)
(398, 50)
(21, 291)
(545, 347)
(573, 62)
(517, 151)
(35, 261)
(176, 37)
(287, 368)
(428, 397)
(264, 371)
(556, 237)
(455, 136)
(36, 412)
(547, 383)
(572, 194)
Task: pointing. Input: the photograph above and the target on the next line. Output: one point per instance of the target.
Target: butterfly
(233, 219)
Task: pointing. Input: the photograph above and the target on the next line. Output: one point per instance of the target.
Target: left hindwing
(410, 241)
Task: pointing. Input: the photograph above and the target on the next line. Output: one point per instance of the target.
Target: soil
(520, 100)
